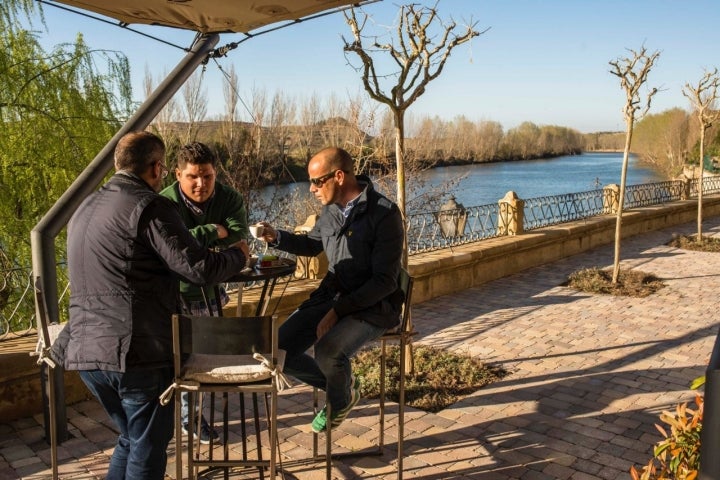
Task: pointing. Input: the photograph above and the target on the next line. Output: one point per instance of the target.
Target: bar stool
(402, 335)
(226, 354)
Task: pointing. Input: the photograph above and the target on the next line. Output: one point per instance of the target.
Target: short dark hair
(136, 151)
(195, 153)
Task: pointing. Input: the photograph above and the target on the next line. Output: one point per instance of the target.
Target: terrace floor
(589, 376)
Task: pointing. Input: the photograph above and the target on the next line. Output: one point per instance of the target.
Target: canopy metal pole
(42, 237)
(710, 433)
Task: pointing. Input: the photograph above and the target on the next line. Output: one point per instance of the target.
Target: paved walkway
(590, 374)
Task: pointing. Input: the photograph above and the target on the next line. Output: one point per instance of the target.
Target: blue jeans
(330, 369)
(146, 427)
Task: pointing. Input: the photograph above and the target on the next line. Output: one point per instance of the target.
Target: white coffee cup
(257, 230)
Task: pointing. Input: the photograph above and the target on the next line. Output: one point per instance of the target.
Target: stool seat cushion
(228, 368)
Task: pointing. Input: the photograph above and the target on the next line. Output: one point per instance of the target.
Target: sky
(540, 61)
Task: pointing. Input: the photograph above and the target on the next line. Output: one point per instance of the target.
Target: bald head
(334, 158)
(332, 178)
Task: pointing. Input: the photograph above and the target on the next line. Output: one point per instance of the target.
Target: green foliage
(677, 455)
(57, 110)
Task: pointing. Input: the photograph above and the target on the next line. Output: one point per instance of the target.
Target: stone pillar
(511, 215)
(310, 267)
(685, 192)
(611, 198)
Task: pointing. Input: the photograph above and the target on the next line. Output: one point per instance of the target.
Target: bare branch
(633, 72)
(703, 98)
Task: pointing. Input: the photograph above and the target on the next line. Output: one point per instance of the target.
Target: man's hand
(269, 234)
(243, 246)
(327, 322)
(221, 231)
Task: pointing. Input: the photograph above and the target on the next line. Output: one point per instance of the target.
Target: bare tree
(419, 56)
(195, 102)
(664, 139)
(282, 118)
(230, 130)
(163, 122)
(703, 98)
(308, 128)
(633, 72)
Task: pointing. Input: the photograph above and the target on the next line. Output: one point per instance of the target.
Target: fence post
(685, 192)
(611, 198)
(511, 215)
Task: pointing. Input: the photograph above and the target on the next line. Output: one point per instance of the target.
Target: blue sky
(543, 61)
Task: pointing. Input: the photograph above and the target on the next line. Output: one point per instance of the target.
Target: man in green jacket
(216, 216)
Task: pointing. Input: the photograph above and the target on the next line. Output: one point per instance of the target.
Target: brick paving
(589, 376)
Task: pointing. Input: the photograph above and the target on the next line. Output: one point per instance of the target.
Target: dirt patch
(440, 379)
(631, 283)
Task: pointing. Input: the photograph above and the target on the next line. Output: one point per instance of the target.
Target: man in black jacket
(127, 250)
(361, 232)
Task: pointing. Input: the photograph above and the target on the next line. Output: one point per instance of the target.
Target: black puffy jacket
(364, 256)
(127, 249)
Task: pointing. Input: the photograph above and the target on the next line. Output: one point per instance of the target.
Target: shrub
(677, 456)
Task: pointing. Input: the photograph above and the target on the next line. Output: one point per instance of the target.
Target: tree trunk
(400, 167)
(700, 185)
(621, 201)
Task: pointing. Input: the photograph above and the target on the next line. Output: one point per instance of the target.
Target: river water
(486, 183)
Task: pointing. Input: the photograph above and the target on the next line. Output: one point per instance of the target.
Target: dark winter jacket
(364, 254)
(127, 250)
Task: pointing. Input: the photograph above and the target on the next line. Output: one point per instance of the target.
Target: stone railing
(457, 225)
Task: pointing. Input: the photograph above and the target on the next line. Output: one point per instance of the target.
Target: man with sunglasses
(361, 232)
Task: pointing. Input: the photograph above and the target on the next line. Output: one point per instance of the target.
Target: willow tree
(422, 46)
(632, 72)
(703, 98)
(57, 109)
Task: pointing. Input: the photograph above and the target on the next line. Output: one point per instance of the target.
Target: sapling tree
(417, 55)
(703, 98)
(632, 71)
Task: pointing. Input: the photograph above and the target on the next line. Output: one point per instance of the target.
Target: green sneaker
(319, 423)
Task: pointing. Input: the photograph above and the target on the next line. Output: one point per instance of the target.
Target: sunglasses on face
(163, 169)
(320, 181)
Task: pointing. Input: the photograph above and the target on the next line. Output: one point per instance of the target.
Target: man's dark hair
(136, 151)
(195, 153)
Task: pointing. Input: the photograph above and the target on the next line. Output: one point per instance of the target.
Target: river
(486, 183)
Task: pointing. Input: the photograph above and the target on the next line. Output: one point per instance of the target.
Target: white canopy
(207, 16)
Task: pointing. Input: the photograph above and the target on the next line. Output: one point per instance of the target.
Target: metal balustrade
(17, 301)
(552, 210)
(426, 231)
(657, 193)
